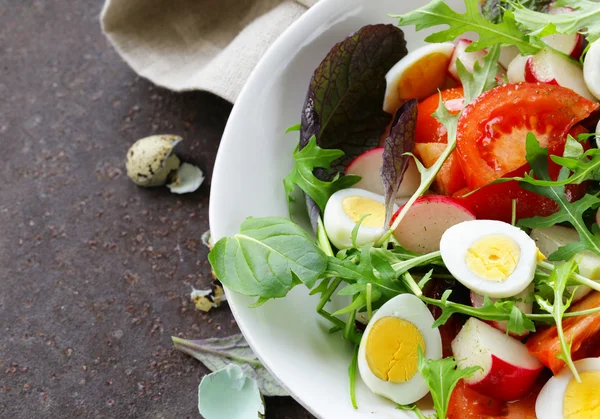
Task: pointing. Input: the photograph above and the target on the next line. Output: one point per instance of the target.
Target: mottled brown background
(95, 273)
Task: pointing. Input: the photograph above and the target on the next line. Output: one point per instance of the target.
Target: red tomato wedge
(583, 332)
(429, 129)
(493, 128)
(450, 178)
(466, 403)
(495, 201)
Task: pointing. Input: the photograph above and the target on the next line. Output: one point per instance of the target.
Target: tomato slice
(495, 201)
(466, 403)
(450, 178)
(493, 128)
(429, 129)
(583, 332)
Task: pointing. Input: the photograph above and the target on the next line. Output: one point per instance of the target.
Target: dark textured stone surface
(95, 273)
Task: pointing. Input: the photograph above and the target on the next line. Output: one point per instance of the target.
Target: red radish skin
(430, 216)
(549, 67)
(368, 166)
(572, 45)
(508, 369)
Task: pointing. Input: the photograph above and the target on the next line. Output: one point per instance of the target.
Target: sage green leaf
(267, 258)
(438, 13)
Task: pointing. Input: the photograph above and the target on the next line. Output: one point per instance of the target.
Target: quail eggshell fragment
(150, 160)
(475, 251)
(187, 179)
(391, 342)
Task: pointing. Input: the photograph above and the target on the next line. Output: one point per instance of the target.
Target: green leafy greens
(302, 175)
(437, 12)
(569, 212)
(442, 376)
(267, 258)
(493, 10)
(584, 18)
(557, 281)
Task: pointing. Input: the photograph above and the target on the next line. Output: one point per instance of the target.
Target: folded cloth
(208, 45)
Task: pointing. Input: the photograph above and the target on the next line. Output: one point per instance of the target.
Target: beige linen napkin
(208, 45)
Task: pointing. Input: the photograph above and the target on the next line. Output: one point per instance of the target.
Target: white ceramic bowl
(254, 156)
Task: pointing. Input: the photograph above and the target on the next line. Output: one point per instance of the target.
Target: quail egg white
(492, 258)
(345, 209)
(388, 352)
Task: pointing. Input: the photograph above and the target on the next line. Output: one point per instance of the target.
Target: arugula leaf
(395, 160)
(517, 321)
(493, 10)
(352, 376)
(343, 104)
(437, 13)
(585, 18)
(569, 212)
(442, 376)
(217, 353)
(558, 280)
(482, 78)
(267, 258)
(302, 175)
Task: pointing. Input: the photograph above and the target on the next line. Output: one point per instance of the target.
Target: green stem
(427, 178)
(412, 285)
(580, 279)
(349, 328)
(369, 302)
(352, 375)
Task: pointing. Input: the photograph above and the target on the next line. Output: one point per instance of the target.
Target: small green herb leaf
(437, 12)
(558, 280)
(302, 175)
(441, 376)
(569, 212)
(412, 408)
(482, 78)
(585, 18)
(493, 10)
(267, 258)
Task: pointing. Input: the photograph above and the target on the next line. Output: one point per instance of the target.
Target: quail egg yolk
(582, 400)
(494, 257)
(430, 68)
(357, 206)
(392, 349)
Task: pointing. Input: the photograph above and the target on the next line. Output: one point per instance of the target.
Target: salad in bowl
(452, 193)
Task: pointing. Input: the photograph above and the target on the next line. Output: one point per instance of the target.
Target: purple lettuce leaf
(400, 141)
(343, 107)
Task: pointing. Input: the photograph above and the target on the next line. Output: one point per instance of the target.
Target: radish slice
(477, 301)
(516, 69)
(368, 167)
(467, 58)
(591, 71)
(426, 221)
(507, 54)
(572, 45)
(549, 67)
(508, 370)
